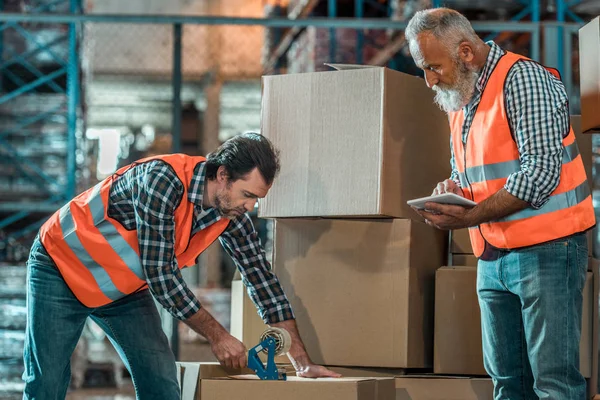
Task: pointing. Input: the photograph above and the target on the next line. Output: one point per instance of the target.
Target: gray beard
(452, 99)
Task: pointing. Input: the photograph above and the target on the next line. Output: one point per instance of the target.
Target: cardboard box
(431, 387)
(357, 372)
(362, 290)
(457, 316)
(428, 386)
(251, 388)
(589, 66)
(246, 325)
(189, 375)
(460, 242)
(463, 260)
(457, 343)
(353, 143)
(585, 145)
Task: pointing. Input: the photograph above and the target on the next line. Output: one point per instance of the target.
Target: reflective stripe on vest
(501, 170)
(127, 254)
(100, 275)
(123, 250)
(555, 202)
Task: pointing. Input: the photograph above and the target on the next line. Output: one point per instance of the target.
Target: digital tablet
(444, 198)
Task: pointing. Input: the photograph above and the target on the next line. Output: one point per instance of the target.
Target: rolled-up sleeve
(538, 111)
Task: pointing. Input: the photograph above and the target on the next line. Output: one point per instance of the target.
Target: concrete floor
(126, 393)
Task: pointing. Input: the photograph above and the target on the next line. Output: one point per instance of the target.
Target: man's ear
(222, 174)
(466, 52)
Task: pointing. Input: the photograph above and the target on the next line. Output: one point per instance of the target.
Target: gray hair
(450, 27)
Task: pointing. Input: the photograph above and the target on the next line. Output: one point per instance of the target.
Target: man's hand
(447, 186)
(229, 351)
(300, 360)
(447, 217)
(316, 371)
(497, 206)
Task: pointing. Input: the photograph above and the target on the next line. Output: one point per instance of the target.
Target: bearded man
(112, 249)
(514, 154)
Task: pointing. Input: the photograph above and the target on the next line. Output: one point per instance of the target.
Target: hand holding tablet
(444, 198)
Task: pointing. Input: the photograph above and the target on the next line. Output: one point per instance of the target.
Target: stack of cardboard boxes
(366, 278)
(357, 264)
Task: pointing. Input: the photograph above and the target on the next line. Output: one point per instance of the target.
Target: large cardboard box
(431, 387)
(189, 375)
(353, 143)
(372, 372)
(457, 344)
(457, 315)
(251, 388)
(585, 145)
(462, 260)
(460, 242)
(589, 67)
(362, 290)
(211, 381)
(428, 386)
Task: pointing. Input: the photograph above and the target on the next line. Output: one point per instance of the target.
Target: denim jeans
(531, 304)
(55, 322)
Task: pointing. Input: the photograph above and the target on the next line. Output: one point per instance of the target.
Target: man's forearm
(497, 206)
(205, 324)
(298, 355)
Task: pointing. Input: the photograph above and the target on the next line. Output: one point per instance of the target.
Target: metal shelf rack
(39, 96)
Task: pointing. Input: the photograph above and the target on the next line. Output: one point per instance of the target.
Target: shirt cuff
(454, 178)
(278, 313)
(521, 186)
(186, 311)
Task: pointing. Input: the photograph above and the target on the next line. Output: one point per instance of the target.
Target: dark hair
(241, 154)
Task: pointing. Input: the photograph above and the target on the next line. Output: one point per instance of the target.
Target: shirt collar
(494, 56)
(196, 190)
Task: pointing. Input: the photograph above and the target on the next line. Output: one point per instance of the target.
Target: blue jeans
(55, 322)
(531, 303)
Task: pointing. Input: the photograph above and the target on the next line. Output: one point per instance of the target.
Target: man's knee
(45, 383)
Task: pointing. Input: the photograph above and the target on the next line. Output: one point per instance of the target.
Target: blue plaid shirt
(145, 198)
(538, 111)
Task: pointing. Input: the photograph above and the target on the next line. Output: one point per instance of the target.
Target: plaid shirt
(145, 198)
(538, 112)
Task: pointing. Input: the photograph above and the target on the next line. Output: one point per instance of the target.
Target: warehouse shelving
(288, 37)
(38, 113)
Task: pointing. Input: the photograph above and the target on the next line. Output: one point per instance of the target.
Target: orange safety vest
(98, 258)
(490, 155)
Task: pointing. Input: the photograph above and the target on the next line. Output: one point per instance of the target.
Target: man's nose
(249, 205)
(431, 78)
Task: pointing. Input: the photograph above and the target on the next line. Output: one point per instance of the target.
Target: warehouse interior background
(128, 79)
